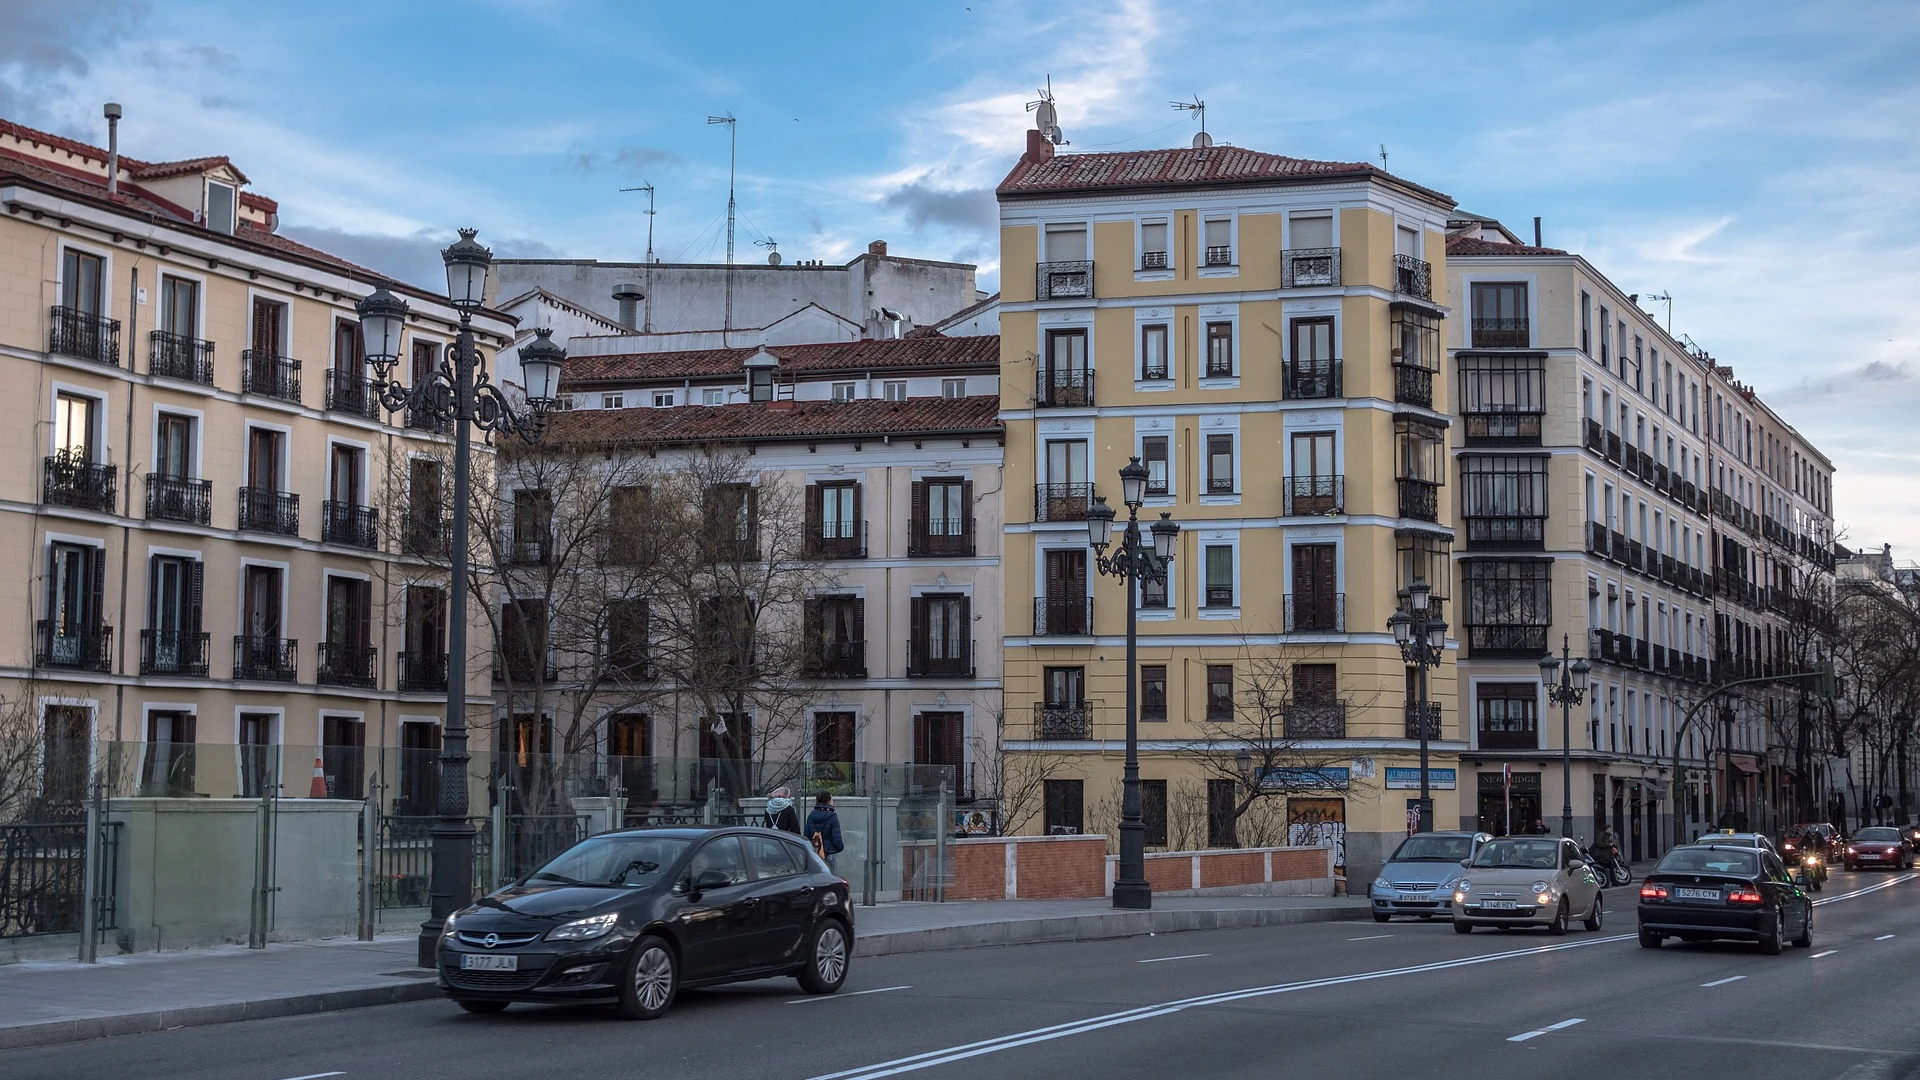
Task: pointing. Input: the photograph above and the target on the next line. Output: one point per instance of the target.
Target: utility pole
(646, 326)
(733, 135)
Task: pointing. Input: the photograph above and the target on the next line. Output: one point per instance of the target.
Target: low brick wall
(1278, 871)
(1078, 867)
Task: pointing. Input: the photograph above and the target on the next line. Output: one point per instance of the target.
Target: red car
(1818, 836)
(1878, 845)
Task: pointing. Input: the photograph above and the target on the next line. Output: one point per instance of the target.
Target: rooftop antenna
(773, 250)
(1046, 117)
(1199, 109)
(733, 135)
(646, 326)
(1383, 155)
(1667, 299)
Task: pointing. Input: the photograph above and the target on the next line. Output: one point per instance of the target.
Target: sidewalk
(43, 1003)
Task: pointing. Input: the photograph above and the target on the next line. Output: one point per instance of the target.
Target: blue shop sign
(1409, 779)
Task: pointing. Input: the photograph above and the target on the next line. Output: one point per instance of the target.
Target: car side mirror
(711, 879)
(1466, 862)
(1576, 864)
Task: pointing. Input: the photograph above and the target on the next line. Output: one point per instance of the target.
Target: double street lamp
(1134, 561)
(1565, 678)
(457, 391)
(1422, 636)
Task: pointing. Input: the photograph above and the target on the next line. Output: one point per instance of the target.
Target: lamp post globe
(1165, 533)
(1133, 483)
(540, 363)
(382, 318)
(467, 264)
(1100, 523)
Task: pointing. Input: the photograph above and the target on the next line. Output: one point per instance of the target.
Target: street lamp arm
(1693, 713)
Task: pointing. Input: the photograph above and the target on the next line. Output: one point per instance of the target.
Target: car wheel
(1593, 919)
(1805, 940)
(1771, 944)
(1650, 941)
(652, 979)
(1381, 917)
(473, 1006)
(1462, 927)
(1559, 924)
(827, 961)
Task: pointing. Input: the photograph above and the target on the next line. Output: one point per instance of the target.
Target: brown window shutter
(814, 620)
(917, 523)
(966, 513)
(810, 542)
(917, 627)
(919, 738)
(859, 618)
(966, 627)
(196, 595)
(954, 744)
(856, 540)
(96, 586)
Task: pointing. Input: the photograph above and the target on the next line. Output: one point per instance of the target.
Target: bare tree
(1016, 781)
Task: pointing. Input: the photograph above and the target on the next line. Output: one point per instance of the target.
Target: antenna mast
(1199, 109)
(733, 134)
(646, 326)
(1046, 117)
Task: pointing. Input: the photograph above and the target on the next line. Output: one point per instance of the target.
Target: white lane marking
(1887, 884)
(1370, 937)
(947, 1055)
(851, 994)
(1525, 1035)
(1164, 959)
(1818, 955)
(316, 1076)
(1723, 982)
(1883, 937)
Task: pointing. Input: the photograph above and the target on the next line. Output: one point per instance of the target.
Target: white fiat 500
(1526, 881)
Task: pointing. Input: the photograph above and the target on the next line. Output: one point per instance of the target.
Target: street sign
(1409, 779)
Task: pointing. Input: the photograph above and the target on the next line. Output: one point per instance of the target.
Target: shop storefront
(1498, 805)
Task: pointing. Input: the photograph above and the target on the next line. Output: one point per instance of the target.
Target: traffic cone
(319, 788)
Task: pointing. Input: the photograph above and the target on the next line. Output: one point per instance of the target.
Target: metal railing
(1219, 255)
(85, 335)
(1070, 616)
(179, 498)
(347, 665)
(1431, 714)
(1302, 268)
(1153, 260)
(176, 356)
(1316, 613)
(1596, 437)
(1412, 277)
(43, 870)
(835, 547)
(270, 375)
(1063, 388)
(60, 644)
(265, 659)
(529, 547)
(346, 523)
(1419, 499)
(1071, 280)
(349, 393)
(423, 671)
(1413, 385)
(921, 544)
(71, 480)
(1315, 720)
(174, 652)
(262, 510)
(1506, 533)
(1306, 495)
(426, 535)
(1061, 502)
(1052, 721)
(837, 660)
(427, 421)
(1502, 428)
(1305, 379)
(1502, 333)
(922, 664)
(404, 862)
(1527, 641)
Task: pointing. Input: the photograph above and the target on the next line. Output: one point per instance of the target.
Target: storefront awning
(1745, 763)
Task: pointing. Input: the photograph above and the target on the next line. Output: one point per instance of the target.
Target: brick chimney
(878, 247)
(1039, 147)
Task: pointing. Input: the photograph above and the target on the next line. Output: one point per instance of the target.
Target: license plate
(483, 962)
(1696, 894)
(1498, 905)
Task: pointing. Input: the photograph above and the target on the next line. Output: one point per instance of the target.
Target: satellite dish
(1202, 140)
(1056, 137)
(773, 258)
(1045, 117)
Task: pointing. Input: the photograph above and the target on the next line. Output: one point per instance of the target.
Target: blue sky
(1758, 160)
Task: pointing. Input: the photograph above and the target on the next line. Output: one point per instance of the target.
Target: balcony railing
(1062, 616)
(428, 422)
(837, 660)
(262, 510)
(1063, 388)
(1412, 277)
(176, 356)
(426, 535)
(85, 335)
(345, 523)
(71, 480)
(1506, 533)
(1051, 721)
(348, 665)
(179, 498)
(1302, 268)
(1496, 739)
(1597, 536)
(270, 375)
(1304, 379)
(62, 644)
(1431, 714)
(1613, 447)
(838, 547)
(1596, 436)
(922, 544)
(1495, 333)
(1219, 255)
(955, 661)
(1309, 495)
(1413, 385)
(423, 672)
(1061, 502)
(522, 668)
(1316, 613)
(1419, 499)
(1315, 720)
(1514, 641)
(1064, 280)
(348, 393)
(1502, 429)
(1153, 260)
(529, 547)
(265, 659)
(173, 652)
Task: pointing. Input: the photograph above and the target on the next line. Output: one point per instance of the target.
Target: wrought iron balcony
(1061, 502)
(1315, 720)
(1502, 333)
(1598, 536)
(269, 375)
(176, 356)
(1506, 533)
(837, 660)
(1312, 495)
(85, 335)
(1219, 255)
(1508, 641)
(1064, 280)
(345, 523)
(529, 547)
(1221, 485)
(71, 480)
(1302, 268)
(348, 393)
(1074, 721)
(179, 498)
(955, 661)
(173, 652)
(64, 644)
(1431, 714)
(348, 665)
(1153, 260)
(262, 510)
(423, 672)
(1062, 616)
(522, 668)
(923, 544)
(1614, 447)
(1063, 388)
(1419, 499)
(1596, 437)
(1412, 277)
(1413, 385)
(426, 534)
(839, 547)
(266, 659)
(1305, 379)
(1316, 613)
(1503, 428)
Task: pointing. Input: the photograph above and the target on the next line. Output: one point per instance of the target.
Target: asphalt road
(1332, 1000)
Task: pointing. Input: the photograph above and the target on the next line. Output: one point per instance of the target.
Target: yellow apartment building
(1264, 333)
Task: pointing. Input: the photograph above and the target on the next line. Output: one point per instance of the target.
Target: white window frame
(1159, 427)
(1143, 318)
(613, 401)
(1232, 266)
(658, 395)
(844, 391)
(1220, 313)
(1227, 538)
(1166, 273)
(953, 389)
(888, 386)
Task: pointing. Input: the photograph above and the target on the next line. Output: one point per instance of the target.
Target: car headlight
(584, 929)
(446, 928)
(1542, 887)
(1463, 886)
(1381, 884)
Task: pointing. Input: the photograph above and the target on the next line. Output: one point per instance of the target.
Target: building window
(222, 206)
(1153, 812)
(833, 737)
(1508, 716)
(663, 399)
(1219, 350)
(613, 401)
(1220, 465)
(1503, 399)
(1313, 483)
(1153, 593)
(941, 523)
(940, 632)
(1153, 692)
(1223, 805)
(1153, 352)
(1504, 500)
(843, 391)
(1219, 691)
(953, 388)
(713, 397)
(1420, 467)
(1153, 245)
(419, 794)
(1416, 354)
(833, 519)
(1509, 606)
(1064, 807)
(1500, 319)
(523, 651)
(1424, 556)
(1218, 234)
(1315, 605)
(1586, 322)
(166, 768)
(894, 390)
(343, 756)
(1153, 455)
(1312, 371)
(1219, 571)
(628, 639)
(760, 384)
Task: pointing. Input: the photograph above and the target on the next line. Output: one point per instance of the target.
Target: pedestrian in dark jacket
(823, 828)
(780, 812)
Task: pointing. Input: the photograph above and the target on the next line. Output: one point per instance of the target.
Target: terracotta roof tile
(826, 420)
(163, 169)
(1473, 245)
(890, 354)
(1185, 167)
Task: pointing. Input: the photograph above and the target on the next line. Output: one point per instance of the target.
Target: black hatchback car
(1701, 892)
(630, 917)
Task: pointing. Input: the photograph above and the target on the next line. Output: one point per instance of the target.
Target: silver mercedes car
(1418, 878)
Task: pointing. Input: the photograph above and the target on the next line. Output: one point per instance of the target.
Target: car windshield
(1543, 854)
(1878, 835)
(1699, 860)
(1433, 849)
(612, 861)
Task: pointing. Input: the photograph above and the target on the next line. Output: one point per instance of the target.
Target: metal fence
(43, 869)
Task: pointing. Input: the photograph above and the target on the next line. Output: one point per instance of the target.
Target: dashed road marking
(1537, 1032)
(1818, 955)
(1164, 959)
(1723, 982)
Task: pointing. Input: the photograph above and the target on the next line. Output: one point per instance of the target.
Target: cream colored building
(216, 539)
(1264, 332)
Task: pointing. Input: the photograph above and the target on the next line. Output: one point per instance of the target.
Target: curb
(68, 1031)
(1095, 928)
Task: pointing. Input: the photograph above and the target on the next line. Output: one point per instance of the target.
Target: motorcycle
(1607, 863)
(1813, 870)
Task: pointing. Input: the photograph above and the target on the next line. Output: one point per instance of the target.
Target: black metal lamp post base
(1132, 895)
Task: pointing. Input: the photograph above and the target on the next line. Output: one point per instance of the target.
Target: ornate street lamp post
(1566, 681)
(1134, 561)
(457, 391)
(1422, 637)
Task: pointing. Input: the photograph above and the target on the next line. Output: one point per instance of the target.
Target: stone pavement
(42, 1003)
